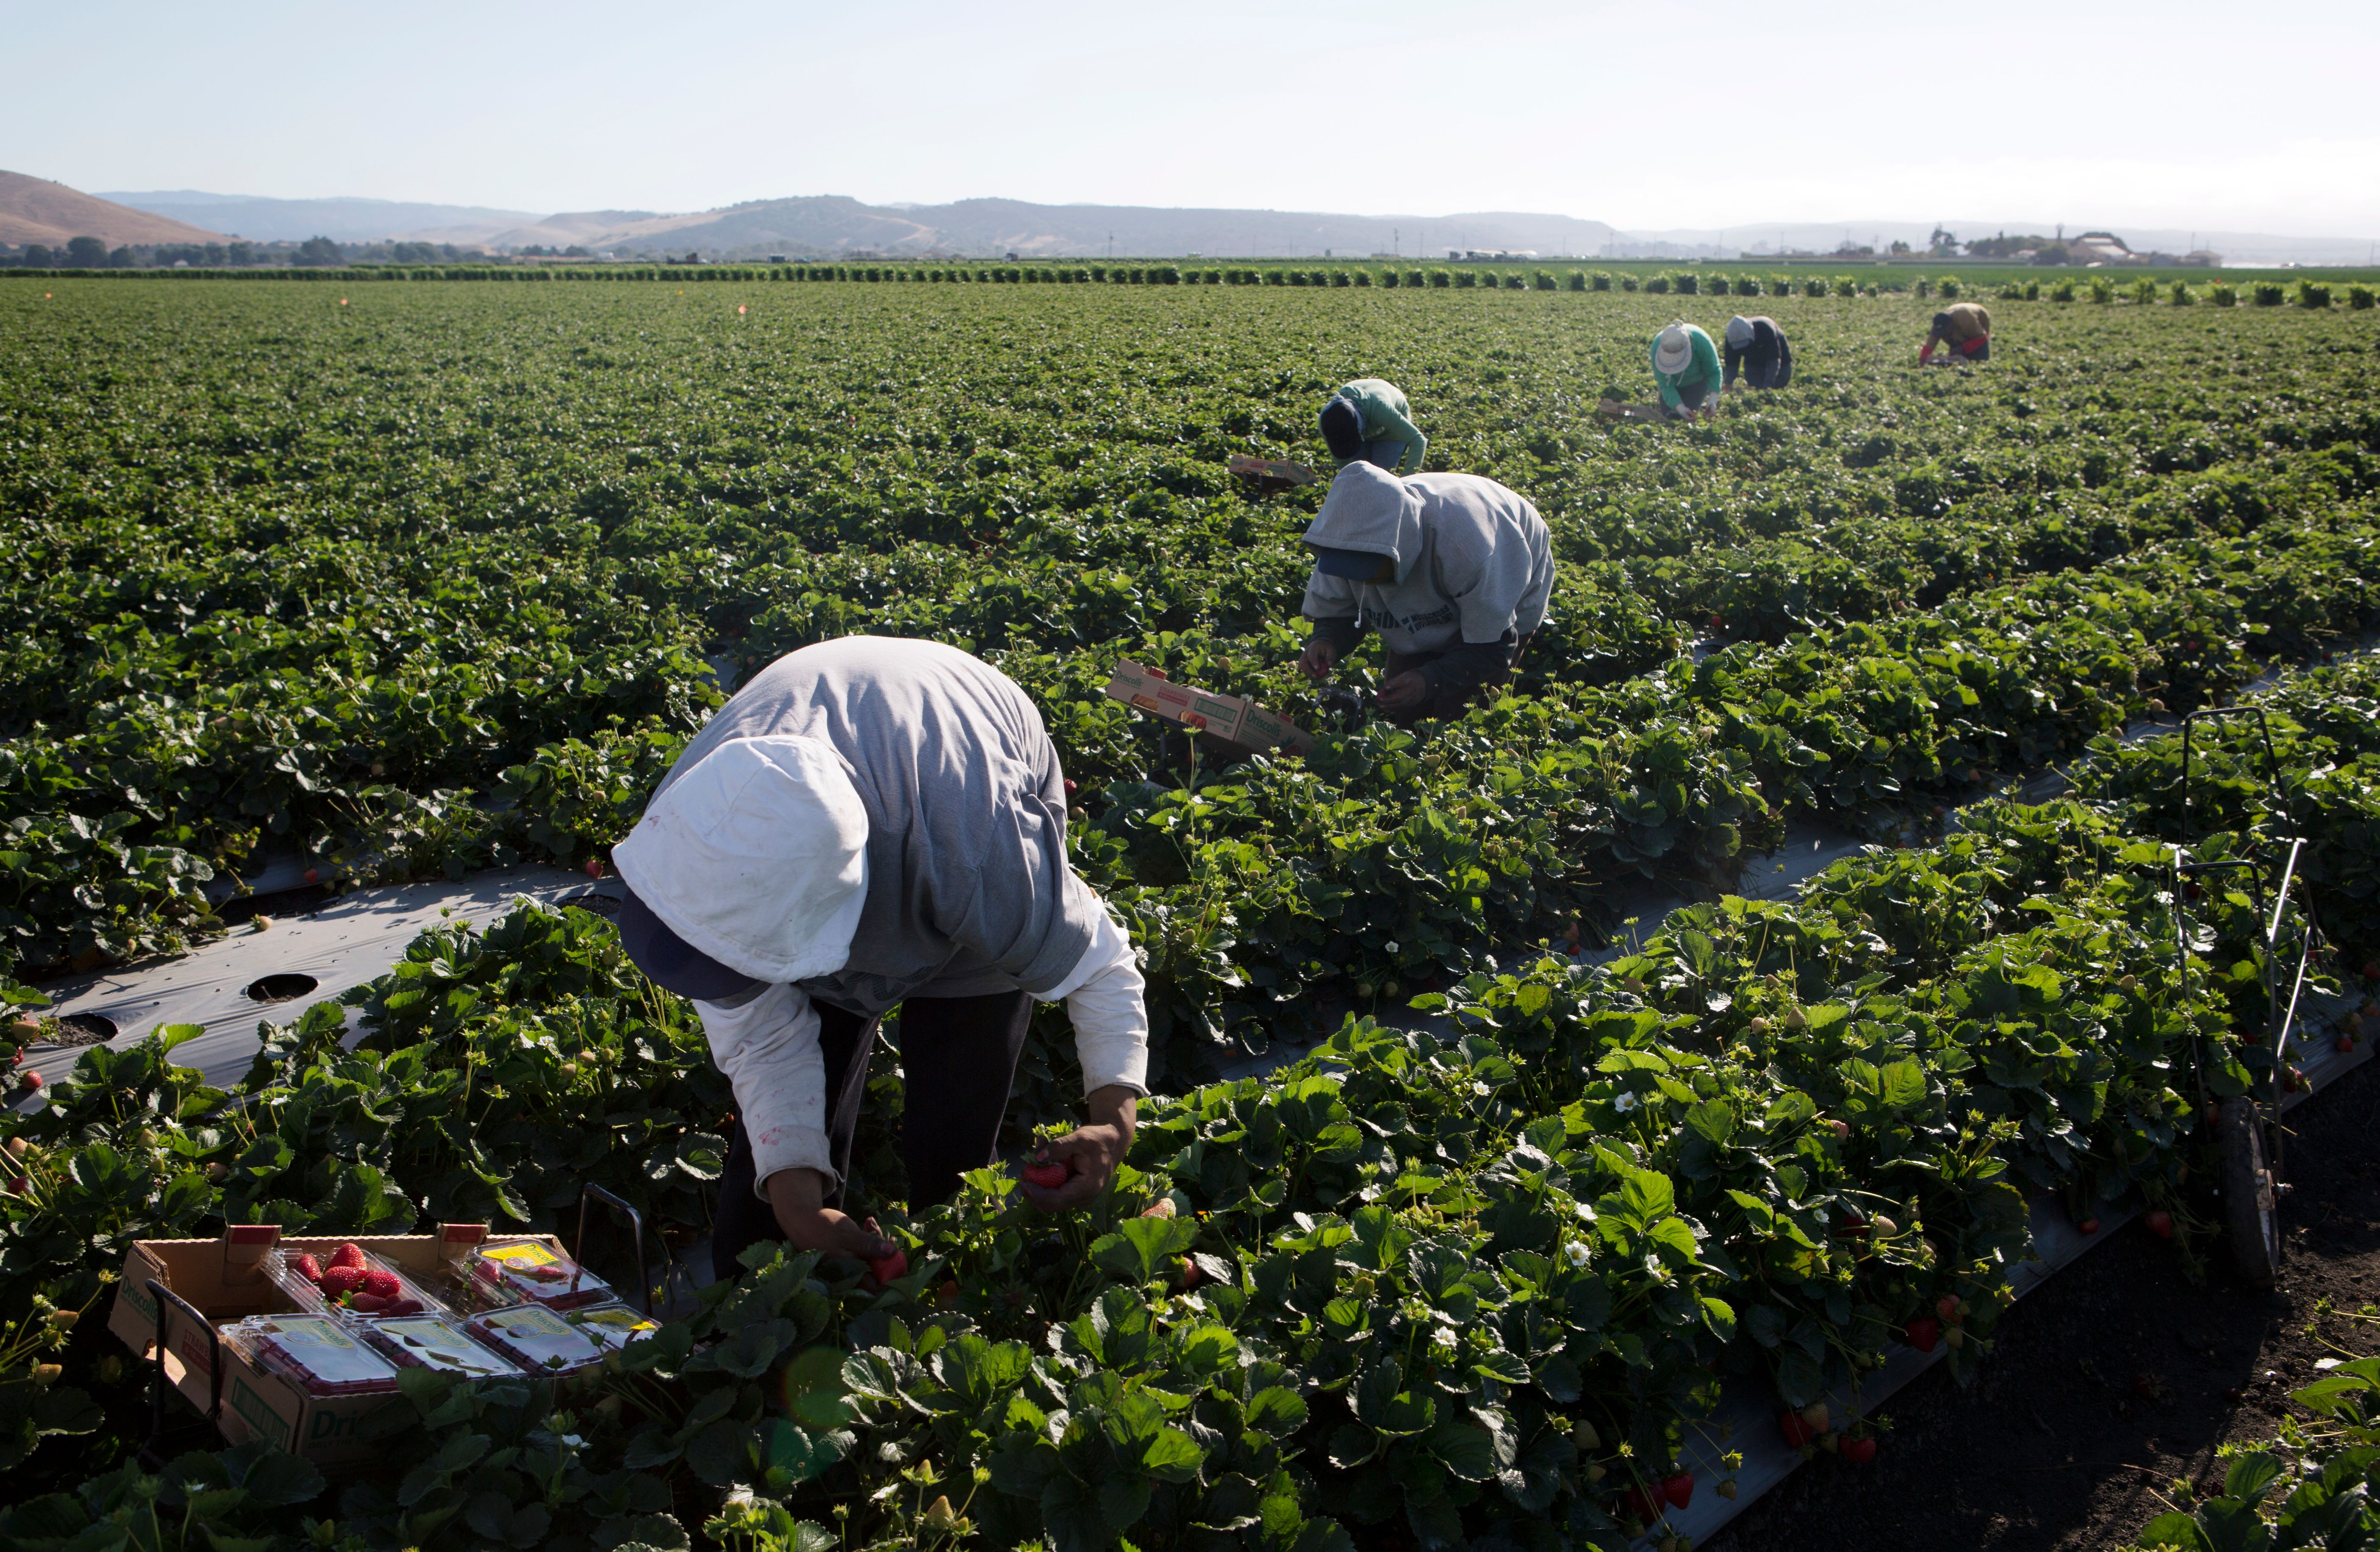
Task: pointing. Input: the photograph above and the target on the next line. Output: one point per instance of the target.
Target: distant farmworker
(1368, 421)
(1454, 570)
(1757, 346)
(1966, 329)
(1686, 365)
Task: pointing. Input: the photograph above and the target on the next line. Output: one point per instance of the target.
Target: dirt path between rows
(2118, 1378)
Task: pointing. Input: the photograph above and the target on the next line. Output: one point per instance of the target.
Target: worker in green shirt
(1368, 421)
(1686, 365)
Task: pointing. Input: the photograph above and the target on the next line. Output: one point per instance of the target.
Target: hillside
(37, 210)
(342, 219)
(822, 225)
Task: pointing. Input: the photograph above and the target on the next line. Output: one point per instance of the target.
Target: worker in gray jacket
(872, 823)
(1454, 570)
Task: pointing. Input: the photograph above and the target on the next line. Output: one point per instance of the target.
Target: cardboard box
(225, 1280)
(1228, 717)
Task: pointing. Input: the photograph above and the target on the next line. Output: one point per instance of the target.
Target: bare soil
(2116, 1380)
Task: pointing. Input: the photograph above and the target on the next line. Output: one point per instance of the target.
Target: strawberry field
(415, 580)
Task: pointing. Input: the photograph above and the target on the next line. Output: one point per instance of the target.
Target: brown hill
(37, 210)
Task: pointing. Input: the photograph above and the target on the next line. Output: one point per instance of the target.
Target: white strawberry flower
(1623, 1102)
(1576, 1251)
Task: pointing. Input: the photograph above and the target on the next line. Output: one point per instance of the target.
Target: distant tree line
(91, 253)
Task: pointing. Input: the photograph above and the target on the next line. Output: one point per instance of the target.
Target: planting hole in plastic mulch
(282, 988)
(82, 1029)
(600, 905)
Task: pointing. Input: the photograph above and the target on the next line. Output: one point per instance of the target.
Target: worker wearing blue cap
(1454, 570)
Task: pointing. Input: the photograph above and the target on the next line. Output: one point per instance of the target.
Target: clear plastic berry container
(613, 1326)
(433, 1341)
(315, 1353)
(527, 1272)
(365, 1286)
(539, 1340)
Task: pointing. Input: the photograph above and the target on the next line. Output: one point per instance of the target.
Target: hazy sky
(1706, 114)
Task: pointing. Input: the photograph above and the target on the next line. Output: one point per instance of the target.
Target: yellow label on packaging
(527, 1253)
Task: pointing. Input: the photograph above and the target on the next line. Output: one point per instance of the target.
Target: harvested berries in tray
(537, 1339)
(312, 1351)
(527, 1272)
(431, 1341)
(353, 1282)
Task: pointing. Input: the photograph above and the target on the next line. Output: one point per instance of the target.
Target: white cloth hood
(757, 855)
(1371, 511)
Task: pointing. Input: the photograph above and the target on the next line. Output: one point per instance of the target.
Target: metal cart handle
(637, 1230)
(157, 1384)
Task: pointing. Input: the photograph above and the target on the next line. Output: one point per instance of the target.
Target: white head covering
(1739, 332)
(757, 855)
(1671, 349)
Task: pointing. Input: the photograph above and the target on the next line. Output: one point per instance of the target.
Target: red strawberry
(371, 1304)
(2344, 1044)
(382, 1284)
(313, 875)
(1796, 1429)
(305, 1266)
(2160, 1224)
(1643, 1505)
(1070, 789)
(2372, 970)
(1922, 1333)
(339, 1280)
(2089, 1225)
(1679, 1489)
(32, 1082)
(884, 1268)
(349, 1253)
(1950, 1307)
(547, 1274)
(1049, 1176)
(17, 1184)
(403, 1306)
(1858, 1451)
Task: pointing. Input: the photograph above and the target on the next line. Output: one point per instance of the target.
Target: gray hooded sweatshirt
(1475, 561)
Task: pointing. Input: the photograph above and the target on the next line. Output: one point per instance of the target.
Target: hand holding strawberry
(1088, 1153)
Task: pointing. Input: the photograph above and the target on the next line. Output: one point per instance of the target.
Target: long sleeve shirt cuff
(1107, 1002)
(768, 1047)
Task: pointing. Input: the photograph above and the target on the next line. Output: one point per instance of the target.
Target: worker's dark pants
(958, 1056)
(1776, 374)
(1978, 349)
(1445, 700)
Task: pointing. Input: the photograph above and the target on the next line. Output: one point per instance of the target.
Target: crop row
(1482, 1286)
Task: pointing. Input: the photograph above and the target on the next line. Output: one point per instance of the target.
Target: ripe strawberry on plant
(1679, 1489)
(884, 1268)
(2160, 1224)
(1922, 1333)
(1858, 1451)
(1796, 1428)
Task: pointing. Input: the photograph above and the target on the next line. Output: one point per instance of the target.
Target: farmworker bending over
(1966, 328)
(869, 822)
(1453, 570)
(1757, 346)
(1369, 421)
(1685, 364)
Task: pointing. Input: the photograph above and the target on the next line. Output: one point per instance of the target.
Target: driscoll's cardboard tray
(226, 1280)
(1230, 718)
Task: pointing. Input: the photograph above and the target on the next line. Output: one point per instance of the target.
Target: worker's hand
(1404, 693)
(1092, 1150)
(795, 1195)
(1319, 658)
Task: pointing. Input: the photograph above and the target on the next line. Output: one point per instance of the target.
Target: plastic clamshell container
(525, 1271)
(433, 1341)
(280, 1266)
(537, 1339)
(315, 1353)
(611, 1327)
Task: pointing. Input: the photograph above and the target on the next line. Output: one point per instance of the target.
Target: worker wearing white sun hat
(1686, 365)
